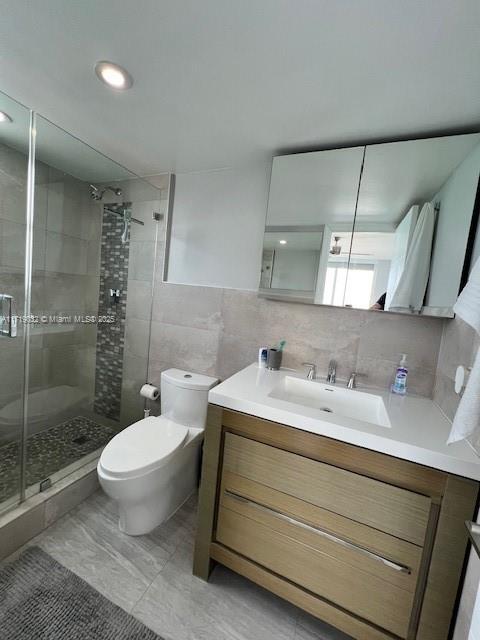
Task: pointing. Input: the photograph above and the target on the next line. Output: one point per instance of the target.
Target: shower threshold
(52, 453)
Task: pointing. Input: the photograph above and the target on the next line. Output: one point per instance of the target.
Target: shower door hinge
(157, 216)
(45, 484)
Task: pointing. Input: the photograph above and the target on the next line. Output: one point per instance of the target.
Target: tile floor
(151, 577)
(51, 450)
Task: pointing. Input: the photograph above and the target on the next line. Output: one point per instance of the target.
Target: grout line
(170, 557)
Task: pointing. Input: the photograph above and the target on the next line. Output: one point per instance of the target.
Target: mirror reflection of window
(312, 199)
(290, 262)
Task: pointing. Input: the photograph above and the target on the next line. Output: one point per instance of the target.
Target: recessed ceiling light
(113, 75)
(282, 241)
(4, 117)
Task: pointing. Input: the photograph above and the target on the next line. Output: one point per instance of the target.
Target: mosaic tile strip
(111, 337)
(49, 451)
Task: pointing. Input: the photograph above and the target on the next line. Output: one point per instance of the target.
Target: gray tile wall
(218, 331)
(458, 346)
(139, 303)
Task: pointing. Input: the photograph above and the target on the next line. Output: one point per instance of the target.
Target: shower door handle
(8, 318)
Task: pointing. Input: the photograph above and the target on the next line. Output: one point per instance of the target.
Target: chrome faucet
(352, 381)
(332, 372)
(312, 371)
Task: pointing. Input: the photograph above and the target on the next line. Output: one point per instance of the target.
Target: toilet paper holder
(149, 391)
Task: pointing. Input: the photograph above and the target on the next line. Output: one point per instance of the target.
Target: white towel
(412, 284)
(467, 418)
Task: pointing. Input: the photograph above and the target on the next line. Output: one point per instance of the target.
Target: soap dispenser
(400, 383)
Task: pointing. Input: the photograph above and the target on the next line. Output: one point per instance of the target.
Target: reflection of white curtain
(412, 284)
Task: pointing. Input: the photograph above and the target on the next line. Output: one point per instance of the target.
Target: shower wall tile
(93, 256)
(13, 197)
(64, 217)
(141, 260)
(65, 254)
(70, 293)
(143, 211)
(136, 337)
(12, 246)
(111, 336)
(11, 360)
(13, 185)
(139, 299)
(61, 364)
(134, 376)
(13, 165)
(70, 210)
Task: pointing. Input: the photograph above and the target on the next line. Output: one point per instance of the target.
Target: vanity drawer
(368, 549)
(327, 566)
(390, 509)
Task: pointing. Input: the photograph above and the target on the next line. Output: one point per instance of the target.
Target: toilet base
(138, 523)
(173, 486)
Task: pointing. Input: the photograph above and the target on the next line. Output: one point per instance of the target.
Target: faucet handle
(352, 381)
(312, 371)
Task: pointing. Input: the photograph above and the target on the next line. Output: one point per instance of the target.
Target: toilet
(151, 467)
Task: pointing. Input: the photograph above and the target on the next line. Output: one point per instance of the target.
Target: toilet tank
(184, 397)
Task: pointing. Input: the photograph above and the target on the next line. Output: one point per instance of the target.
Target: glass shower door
(93, 263)
(78, 253)
(14, 149)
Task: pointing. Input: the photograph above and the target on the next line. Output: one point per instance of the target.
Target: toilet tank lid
(188, 380)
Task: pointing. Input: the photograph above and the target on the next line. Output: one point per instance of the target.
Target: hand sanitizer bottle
(400, 384)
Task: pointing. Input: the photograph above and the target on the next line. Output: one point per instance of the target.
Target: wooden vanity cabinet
(371, 544)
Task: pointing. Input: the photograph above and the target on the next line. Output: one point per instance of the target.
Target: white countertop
(418, 431)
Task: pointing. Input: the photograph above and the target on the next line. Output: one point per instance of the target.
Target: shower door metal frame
(27, 308)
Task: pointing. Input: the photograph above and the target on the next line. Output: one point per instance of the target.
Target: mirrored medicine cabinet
(388, 226)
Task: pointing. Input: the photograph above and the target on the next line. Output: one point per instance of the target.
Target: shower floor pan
(49, 451)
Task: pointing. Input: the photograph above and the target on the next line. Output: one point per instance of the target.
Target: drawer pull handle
(321, 532)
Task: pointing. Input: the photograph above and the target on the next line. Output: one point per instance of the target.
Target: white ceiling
(222, 82)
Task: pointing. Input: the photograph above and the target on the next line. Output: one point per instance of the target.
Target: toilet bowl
(152, 467)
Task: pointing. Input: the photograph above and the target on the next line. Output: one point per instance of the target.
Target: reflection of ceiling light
(113, 75)
(4, 117)
(336, 249)
(282, 241)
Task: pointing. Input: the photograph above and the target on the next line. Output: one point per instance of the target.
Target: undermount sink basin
(329, 399)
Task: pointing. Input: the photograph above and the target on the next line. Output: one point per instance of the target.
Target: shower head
(96, 193)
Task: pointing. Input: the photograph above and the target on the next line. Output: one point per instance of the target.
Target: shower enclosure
(78, 240)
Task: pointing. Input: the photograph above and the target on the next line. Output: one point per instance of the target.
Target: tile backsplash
(458, 346)
(218, 331)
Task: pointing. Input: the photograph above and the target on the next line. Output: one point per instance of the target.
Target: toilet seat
(142, 447)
